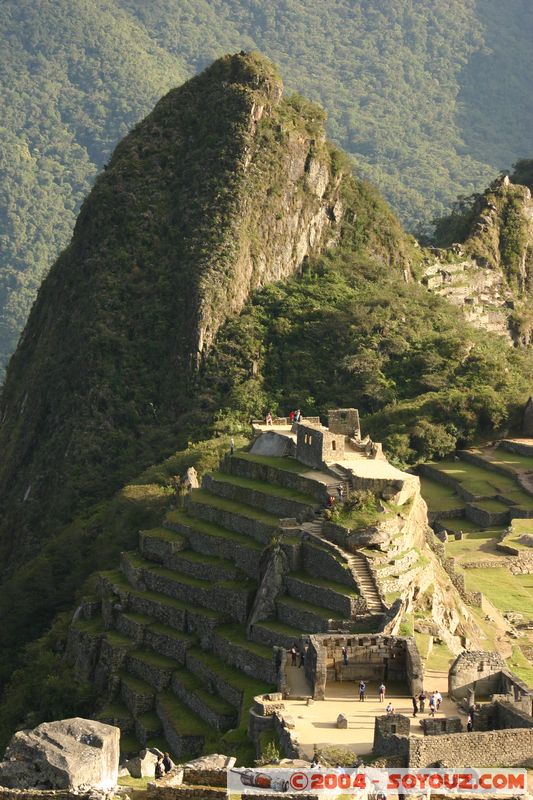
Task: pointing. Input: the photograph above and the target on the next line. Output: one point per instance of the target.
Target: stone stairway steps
(331, 595)
(276, 500)
(234, 516)
(214, 540)
(307, 616)
(211, 708)
(273, 633)
(366, 582)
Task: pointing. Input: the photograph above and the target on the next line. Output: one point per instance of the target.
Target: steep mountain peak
(225, 187)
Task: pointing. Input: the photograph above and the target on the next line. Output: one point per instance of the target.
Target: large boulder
(143, 765)
(65, 754)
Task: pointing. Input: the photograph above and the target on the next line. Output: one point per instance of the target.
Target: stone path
(316, 724)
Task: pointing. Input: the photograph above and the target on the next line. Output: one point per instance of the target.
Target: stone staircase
(366, 582)
(167, 643)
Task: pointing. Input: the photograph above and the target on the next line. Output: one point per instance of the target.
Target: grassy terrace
(236, 634)
(439, 497)
(287, 464)
(265, 488)
(193, 684)
(166, 535)
(210, 529)
(319, 611)
(136, 684)
(120, 582)
(506, 591)
(514, 462)
(279, 627)
(183, 720)
(233, 507)
(154, 659)
(339, 588)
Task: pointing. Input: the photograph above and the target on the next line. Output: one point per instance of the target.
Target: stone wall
(476, 670)
(485, 518)
(371, 657)
(245, 558)
(391, 735)
(505, 748)
(321, 563)
(156, 792)
(273, 504)
(267, 474)
(345, 421)
(315, 445)
(457, 578)
(436, 726)
(260, 531)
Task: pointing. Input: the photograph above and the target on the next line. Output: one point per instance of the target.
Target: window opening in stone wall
(334, 445)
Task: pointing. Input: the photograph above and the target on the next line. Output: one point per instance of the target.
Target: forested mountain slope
(428, 98)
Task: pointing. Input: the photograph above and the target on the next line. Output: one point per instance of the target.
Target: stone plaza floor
(316, 723)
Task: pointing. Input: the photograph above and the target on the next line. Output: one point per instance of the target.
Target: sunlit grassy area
(288, 464)
(438, 496)
(506, 591)
(476, 542)
(439, 658)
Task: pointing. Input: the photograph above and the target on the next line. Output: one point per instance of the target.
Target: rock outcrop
(225, 187)
(490, 274)
(66, 754)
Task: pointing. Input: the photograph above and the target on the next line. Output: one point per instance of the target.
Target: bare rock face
(65, 754)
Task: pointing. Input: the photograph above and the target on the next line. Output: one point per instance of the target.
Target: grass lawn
(521, 665)
(506, 591)
(512, 460)
(439, 658)
(287, 464)
(465, 473)
(491, 504)
(521, 526)
(438, 496)
(456, 524)
(474, 543)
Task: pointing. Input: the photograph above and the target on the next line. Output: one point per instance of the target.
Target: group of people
(163, 765)
(294, 416)
(297, 656)
(419, 703)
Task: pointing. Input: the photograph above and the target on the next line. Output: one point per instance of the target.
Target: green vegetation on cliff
(427, 98)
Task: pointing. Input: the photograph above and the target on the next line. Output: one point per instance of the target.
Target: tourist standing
(438, 699)
(469, 723)
(431, 705)
(294, 653)
(362, 691)
(291, 416)
(298, 416)
(268, 418)
(167, 762)
(302, 658)
(341, 492)
(422, 701)
(231, 446)
(159, 768)
(415, 706)
(389, 709)
(381, 691)
(344, 656)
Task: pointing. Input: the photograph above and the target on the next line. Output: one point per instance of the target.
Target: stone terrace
(171, 644)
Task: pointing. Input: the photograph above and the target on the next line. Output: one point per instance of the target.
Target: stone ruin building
(200, 618)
